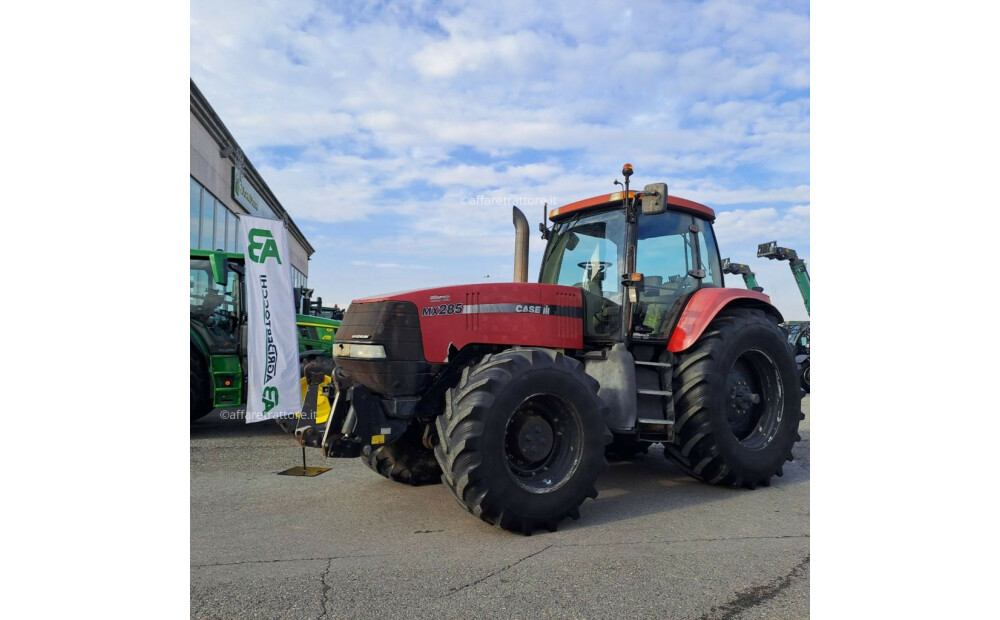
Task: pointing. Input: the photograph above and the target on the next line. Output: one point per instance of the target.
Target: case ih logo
(532, 309)
(436, 299)
(260, 245)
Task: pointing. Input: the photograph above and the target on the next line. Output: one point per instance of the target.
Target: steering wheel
(602, 265)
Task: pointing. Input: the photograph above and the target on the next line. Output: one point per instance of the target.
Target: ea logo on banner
(260, 245)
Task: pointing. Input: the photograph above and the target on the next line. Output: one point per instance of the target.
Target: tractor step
(659, 364)
(651, 422)
(655, 392)
(655, 430)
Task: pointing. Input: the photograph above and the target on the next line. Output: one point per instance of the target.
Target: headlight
(360, 351)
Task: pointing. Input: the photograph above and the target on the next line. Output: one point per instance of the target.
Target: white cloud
(746, 229)
(542, 100)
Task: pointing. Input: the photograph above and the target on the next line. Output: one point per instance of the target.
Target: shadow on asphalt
(647, 485)
(223, 423)
(653, 484)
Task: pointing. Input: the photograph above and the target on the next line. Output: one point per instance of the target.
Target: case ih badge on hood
(515, 394)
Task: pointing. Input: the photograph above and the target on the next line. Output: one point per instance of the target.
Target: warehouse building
(225, 184)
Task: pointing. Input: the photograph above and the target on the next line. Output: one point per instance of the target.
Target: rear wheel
(406, 460)
(805, 376)
(737, 402)
(521, 441)
(201, 396)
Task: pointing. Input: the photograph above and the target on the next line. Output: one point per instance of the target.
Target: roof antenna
(546, 232)
(629, 208)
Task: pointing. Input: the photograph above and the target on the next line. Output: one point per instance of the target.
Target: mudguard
(705, 304)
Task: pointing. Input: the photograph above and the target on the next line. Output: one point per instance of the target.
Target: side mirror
(572, 241)
(654, 199)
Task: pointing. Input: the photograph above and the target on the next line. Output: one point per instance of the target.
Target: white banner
(272, 341)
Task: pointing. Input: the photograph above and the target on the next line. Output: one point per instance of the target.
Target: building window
(299, 279)
(207, 221)
(231, 225)
(195, 212)
(220, 227)
(213, 225)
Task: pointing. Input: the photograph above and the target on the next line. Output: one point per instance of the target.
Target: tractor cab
(633, 270)
(216, 305)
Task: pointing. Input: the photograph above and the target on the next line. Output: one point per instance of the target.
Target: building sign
(245, 194)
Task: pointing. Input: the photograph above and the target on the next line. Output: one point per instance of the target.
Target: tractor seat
(656, 303)
(652, 285)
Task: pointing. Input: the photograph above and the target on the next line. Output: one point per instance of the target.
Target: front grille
(392, 324)
(308, 332)
(396, 326)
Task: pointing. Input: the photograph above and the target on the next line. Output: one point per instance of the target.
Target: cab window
(672, 250)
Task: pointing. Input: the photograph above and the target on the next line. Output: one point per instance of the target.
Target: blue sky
(378, 125)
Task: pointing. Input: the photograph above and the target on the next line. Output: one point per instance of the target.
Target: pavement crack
(326, 588)
(327, 558)
(682, 540)
(752, 597)
(497, 572)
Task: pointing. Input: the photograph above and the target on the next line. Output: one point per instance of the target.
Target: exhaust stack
(520, 246)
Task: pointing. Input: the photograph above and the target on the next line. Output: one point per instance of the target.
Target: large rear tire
(201, 397)
(521, 441)
(737, 402)
(405, 460)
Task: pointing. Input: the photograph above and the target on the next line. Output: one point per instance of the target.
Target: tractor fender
(705, 304)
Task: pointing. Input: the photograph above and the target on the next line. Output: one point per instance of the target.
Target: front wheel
(405, 460)
(521, 441)
(737, 402)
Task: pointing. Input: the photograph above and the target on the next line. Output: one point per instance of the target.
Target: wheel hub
(743, 398)
(534, 439)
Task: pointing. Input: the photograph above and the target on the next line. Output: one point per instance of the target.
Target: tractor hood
(525, 314)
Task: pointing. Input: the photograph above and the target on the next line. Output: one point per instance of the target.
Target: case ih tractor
(512, 393)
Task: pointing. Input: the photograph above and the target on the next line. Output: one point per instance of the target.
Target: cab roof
(674, 203)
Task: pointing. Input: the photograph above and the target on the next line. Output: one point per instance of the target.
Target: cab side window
(668, 254)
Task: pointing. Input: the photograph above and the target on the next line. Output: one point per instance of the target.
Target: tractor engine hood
(525, 314)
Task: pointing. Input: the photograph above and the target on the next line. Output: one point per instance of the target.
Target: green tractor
(218, 332)
(798, 337)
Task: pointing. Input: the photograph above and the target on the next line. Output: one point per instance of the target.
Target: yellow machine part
(322, 402)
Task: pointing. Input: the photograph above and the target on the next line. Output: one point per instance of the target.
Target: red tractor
(513, 394)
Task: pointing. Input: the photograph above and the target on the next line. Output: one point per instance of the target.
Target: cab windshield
(588, 252)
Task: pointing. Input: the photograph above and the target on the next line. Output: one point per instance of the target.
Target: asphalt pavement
(351, 544)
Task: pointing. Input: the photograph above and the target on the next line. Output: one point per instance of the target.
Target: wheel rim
(754, 399)
(805, 375)
(543, 443)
